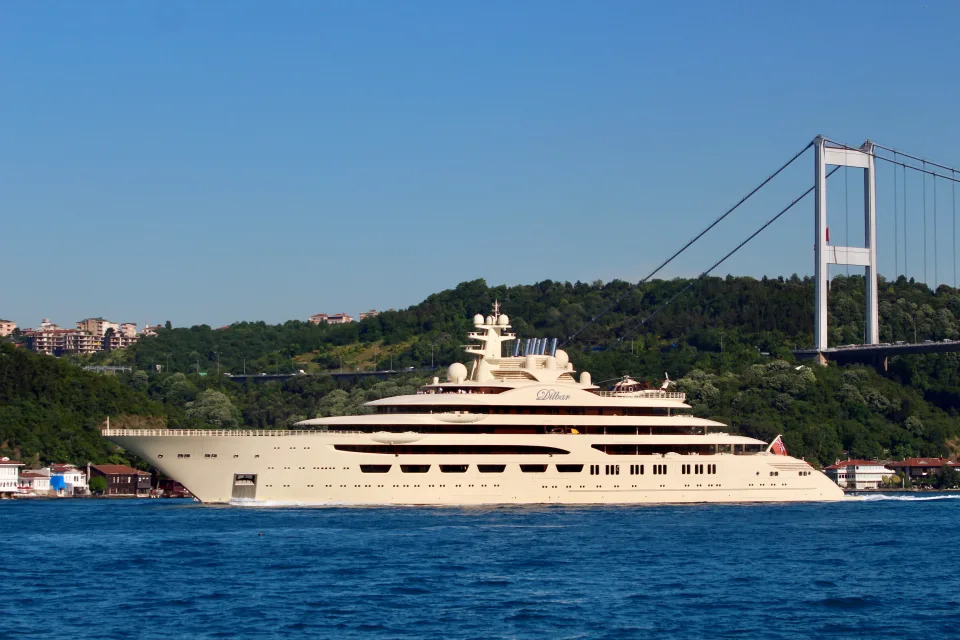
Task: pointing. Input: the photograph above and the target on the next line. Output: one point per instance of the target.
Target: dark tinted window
(414, 468)
(453, 468)
(375, 468)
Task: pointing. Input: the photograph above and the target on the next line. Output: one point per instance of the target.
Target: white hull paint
(524, 414)
(304, 467)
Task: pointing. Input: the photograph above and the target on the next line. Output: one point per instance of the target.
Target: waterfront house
(922, 470)
(68, 480)
(121, 479)
(858, 474)
(35, 481)
(9, 477)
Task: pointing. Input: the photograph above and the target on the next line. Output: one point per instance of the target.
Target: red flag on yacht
(777, 447)
(828, 234)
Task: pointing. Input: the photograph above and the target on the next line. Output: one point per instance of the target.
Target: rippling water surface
(883, 567)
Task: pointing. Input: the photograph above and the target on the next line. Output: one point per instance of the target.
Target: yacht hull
(306, 467)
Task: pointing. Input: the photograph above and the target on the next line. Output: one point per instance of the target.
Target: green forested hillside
(52, 411)
(727, 341)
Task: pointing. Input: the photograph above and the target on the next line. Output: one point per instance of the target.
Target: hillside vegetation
(727, 342)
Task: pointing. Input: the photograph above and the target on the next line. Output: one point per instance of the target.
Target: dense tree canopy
(728, 343)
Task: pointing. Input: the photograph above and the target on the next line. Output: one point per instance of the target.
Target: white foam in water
(247, 502)
(906, 498)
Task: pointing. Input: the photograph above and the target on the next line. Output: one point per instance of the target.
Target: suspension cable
(924, 227)
(896, 226)
(953, 198)
(721, 260)
(846, 208)
(951, 178)
(617, 300)
(936, 261)
(905, 255)
(907, 155)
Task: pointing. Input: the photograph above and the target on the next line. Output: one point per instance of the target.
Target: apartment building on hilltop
(336, 318)
(7, 327)
(91, 335)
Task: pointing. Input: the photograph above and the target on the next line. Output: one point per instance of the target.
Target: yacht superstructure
(520, 428)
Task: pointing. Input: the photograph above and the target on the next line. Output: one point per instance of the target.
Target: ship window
(533, 468)
(491, 468)
(453, 468)
(375, 468)
(569, 468)
(414, 468)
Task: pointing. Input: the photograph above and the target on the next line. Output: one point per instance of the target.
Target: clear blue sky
(208, 162)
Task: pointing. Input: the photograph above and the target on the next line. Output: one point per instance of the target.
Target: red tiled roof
(857, 463)
(923, 462)
(62, 466)
(33, 474)
(9, 461)
(118, 468)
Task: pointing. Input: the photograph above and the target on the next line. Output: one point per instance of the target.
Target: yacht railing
(672, 395)
(243, 433)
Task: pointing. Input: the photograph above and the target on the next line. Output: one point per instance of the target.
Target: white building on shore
(68, 480)
(858, 474)
(9, 477)
(35, 481)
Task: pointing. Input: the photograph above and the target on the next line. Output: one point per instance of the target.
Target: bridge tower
(827, 254)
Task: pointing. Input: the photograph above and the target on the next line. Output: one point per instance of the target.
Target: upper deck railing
(670, 395)
(243, 433)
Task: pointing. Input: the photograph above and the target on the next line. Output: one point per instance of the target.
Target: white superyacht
(511, 429)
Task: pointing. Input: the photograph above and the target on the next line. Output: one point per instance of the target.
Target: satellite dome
(503, 320)
(585, 379)
(489, 319)
(456, 372)
(477, 319)
(562, 358)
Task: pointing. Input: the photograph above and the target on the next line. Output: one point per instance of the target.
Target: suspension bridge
(934, 182)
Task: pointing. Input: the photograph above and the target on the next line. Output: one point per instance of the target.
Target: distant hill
(52, 411)
(727, 341)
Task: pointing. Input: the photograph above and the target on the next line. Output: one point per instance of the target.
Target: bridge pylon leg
(826, 254)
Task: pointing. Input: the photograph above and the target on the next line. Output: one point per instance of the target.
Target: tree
(98, 484)
(167, 325)
(214, 407)
(139, 380)
(946, 478)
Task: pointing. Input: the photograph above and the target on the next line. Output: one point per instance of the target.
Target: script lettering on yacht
(552, 394)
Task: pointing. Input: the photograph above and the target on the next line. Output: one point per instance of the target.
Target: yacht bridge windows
(516, 429)
(527, 410)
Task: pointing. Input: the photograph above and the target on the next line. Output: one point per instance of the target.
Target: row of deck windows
(698, 468)
(595, 469)
(462, 468)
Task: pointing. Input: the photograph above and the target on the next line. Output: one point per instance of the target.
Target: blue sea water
(884, 567)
